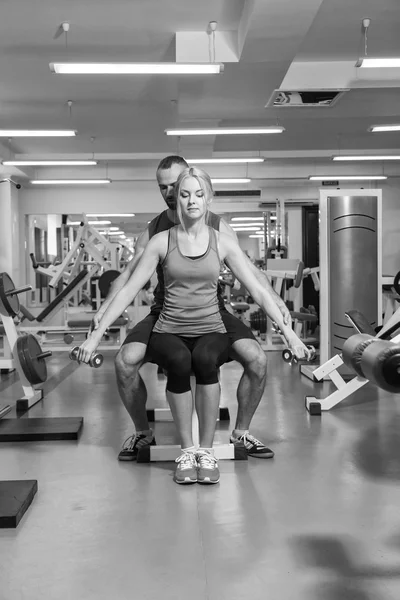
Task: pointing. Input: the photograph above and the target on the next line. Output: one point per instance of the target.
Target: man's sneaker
(207, 471)
(253, 446)
(186, 471)
(132, 444)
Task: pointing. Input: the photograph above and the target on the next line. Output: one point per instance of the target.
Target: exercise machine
(372, 357)
(350, 266)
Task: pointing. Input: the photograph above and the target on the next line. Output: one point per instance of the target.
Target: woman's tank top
(190, 298)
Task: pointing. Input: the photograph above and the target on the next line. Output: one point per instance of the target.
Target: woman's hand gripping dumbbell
(289, 357)
(294, 353)
(84, 354)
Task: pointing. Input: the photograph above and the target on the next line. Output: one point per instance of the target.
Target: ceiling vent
(305, 99)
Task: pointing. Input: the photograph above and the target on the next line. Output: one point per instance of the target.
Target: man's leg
(248, 352)
(252, 383)
(131, 387)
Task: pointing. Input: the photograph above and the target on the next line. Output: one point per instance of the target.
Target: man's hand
(86, 350)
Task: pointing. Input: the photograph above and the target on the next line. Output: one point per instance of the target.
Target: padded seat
(75, 323)
(300, 316)
(240, 307)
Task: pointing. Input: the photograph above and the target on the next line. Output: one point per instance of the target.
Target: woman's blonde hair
(204, 182)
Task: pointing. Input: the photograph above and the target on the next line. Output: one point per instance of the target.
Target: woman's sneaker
(133, 443)
(207, 471)
(186, 471)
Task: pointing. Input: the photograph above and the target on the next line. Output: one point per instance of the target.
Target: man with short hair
(132, 355)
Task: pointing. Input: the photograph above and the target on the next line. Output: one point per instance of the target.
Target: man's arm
(123, 279)
(260, 275)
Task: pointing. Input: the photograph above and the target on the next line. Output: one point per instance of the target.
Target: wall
(9, 232)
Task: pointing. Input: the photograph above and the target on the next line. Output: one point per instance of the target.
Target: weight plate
(396, 283)
(21, 342)
(10, 303)
(106, 280)
(34, 368)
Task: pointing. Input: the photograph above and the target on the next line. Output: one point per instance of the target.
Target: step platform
(170, 453)
(41, 429)
(15, 499)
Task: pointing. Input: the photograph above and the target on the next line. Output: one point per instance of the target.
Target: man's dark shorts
(235, 328)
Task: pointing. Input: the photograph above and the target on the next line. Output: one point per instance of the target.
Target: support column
(9, 232)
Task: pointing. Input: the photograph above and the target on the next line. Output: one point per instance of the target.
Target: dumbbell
(96, 360)
(291, 358)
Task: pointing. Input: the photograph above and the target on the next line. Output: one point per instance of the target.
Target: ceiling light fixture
(120, 68)
(231, 180)
(247, 219)
(70, 181)
(226, 131)
(90, 223)
(345, 177)
(374, 63)
(221, 161)
(378, 63)
(48, 163)
(110, 214)
(366, 157)
(246, 228)
(377, 128)
(11, 133)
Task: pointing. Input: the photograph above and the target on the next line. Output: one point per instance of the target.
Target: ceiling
(121, 119)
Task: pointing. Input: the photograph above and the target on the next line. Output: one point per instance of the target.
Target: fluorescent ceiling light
(226, 131)
(110, 215)
(366, 157)
(231, 180)
(345, 177)
(245, 228)
(120, 68)
(90, 222)
(377, 128)
(247, 219)
(378, 63)
(223, 160)
(69, 181)
(257, 235)
(11, 133)
(48, 163)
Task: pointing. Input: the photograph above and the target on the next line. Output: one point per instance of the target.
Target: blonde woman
(189, 334)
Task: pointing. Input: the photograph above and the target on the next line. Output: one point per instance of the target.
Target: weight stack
(350, 259)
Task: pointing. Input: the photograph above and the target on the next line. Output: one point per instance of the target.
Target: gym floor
(319, 521)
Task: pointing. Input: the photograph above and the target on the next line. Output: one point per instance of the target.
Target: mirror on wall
(55, 244)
